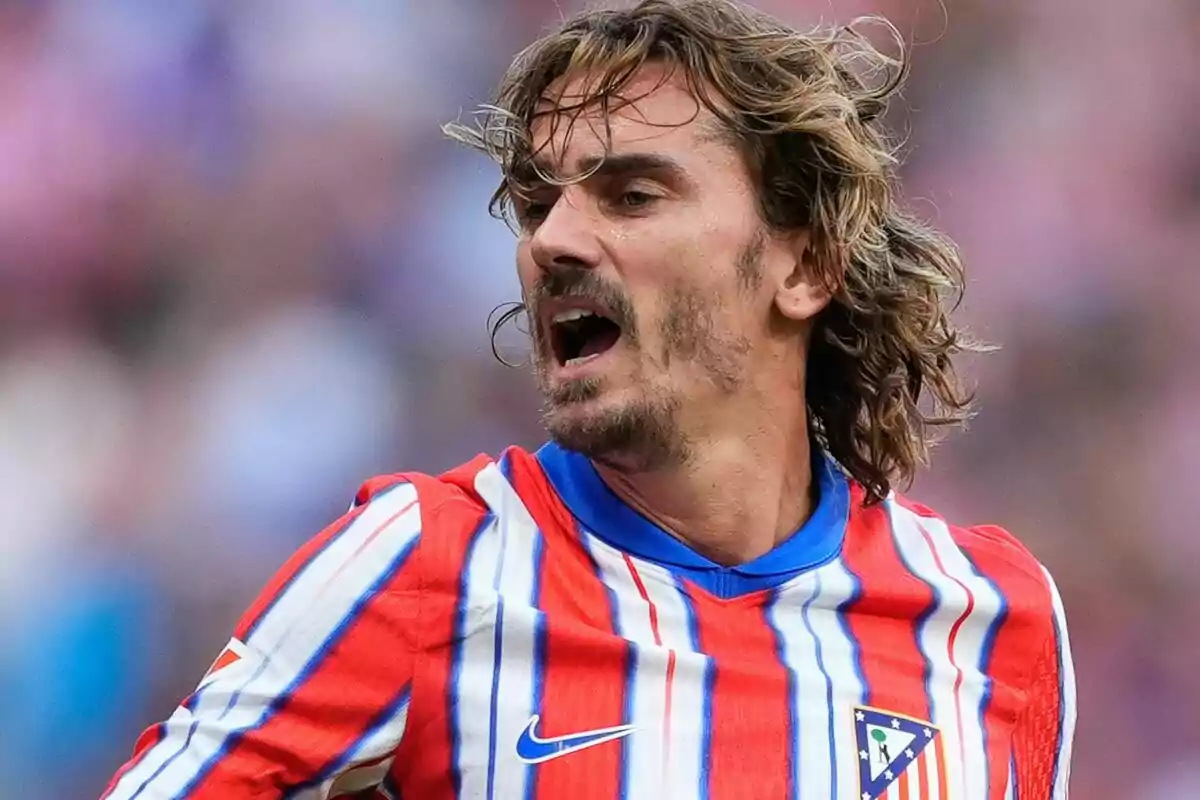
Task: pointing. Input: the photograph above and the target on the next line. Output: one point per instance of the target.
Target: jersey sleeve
(1041, 746)
(310, 697)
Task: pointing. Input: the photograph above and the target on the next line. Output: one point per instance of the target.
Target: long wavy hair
(804, 109)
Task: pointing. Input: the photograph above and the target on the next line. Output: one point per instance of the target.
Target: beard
(638, 436)
(642, 434)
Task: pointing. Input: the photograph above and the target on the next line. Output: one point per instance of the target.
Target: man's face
(644, 281)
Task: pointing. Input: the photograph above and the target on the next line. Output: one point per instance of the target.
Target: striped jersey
(513, 630)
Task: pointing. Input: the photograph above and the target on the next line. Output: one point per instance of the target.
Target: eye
(635, 199)
(531, 213)
(534, 212)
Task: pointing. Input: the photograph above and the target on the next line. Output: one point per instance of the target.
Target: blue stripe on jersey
(632, 655)
(843, 616)
(793, 712)
(493, 722)
(160, 733)
(986, 651)
(497, 659)
(538, 677)
(855, 647)
(347, 520)
(456, 657)
(630, 666)
(299, 573)
(710, 678)
(539, 653)
(806, 615)
(921, 620)
(281, 700)
(187, 740)
(382, 718)
(236, 695)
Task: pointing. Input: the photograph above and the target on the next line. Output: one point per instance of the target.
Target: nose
(567, 237)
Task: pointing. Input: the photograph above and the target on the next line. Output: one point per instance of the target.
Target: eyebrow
(623, 165)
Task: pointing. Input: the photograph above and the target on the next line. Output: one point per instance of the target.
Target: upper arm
(1031, 666)
(315, 684)
(1045, 728)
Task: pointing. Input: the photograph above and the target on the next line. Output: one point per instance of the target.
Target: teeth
(570, 362)
(571, 315)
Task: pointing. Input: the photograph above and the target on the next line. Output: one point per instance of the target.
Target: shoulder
(995, 560)
(456, 506)
(443, 501)
(455, 502)
(993, 551)
(399, 530)
(452, 506)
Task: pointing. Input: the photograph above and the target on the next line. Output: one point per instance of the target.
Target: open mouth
(579, 335)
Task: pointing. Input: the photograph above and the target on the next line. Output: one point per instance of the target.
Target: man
(705, 587)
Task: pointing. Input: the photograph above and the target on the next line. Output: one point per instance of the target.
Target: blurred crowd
(240, 271)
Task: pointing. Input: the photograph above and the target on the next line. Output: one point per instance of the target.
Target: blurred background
(240, 271)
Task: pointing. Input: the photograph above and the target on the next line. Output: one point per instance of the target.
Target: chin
(633, 436)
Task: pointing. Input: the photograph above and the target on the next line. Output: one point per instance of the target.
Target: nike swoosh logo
(533, 749)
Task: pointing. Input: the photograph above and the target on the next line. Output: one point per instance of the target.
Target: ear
(801, 295)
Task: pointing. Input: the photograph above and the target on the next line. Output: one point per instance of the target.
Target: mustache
(586, 285)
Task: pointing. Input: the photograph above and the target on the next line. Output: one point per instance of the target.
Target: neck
(744, 495)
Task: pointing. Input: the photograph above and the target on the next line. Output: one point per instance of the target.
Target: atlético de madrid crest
(898, 756)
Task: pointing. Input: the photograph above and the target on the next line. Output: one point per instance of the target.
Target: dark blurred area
(241, 271)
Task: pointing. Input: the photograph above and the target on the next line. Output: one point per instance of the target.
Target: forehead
(655, 111)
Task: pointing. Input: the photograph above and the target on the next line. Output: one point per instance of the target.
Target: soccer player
(706, 585)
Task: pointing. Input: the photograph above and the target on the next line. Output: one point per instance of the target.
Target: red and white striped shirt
(512, 630)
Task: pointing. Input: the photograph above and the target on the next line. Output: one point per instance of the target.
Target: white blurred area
(240, 272)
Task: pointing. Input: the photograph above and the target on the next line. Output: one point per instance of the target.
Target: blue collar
(601, 512)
